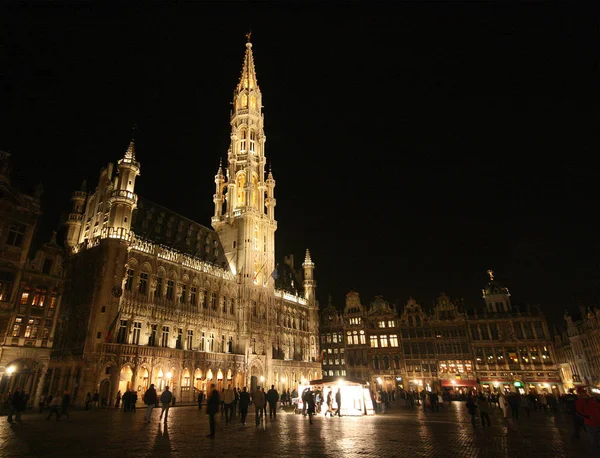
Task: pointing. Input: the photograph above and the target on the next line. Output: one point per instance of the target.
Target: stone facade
(578, 348)
(496, 347)
(155, 297)
(31, 288)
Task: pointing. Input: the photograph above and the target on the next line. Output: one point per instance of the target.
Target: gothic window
(165, 337)
(231, 305)
(25, 295)
(39, 297)
(159, 287)
(170, 289)
(224, 305)
(16, 332)
(190, 339)
(143, 288)
(193, 294)
(255, 239)
(252, 141)
(129, 280)
(255, 197)
(16, 234)
(253, 102)
(183, 297)
(241, 191)
(137, 332)
(213, 300)
(122, 333)
(179, 342)
(243, 140)
(244, 96)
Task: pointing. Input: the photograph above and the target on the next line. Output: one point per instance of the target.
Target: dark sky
(415, 145)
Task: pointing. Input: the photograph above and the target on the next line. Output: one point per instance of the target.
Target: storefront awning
(459, 383)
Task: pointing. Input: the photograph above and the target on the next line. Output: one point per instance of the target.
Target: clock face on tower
(117, 291)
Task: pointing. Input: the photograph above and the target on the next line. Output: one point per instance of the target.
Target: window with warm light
(373, 340)
(393, 340)
(383, 341)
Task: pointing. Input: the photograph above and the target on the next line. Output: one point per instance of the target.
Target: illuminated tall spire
(248, 76)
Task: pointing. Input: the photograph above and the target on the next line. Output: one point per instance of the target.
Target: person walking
(244, 403)
(150, 399)
(118, 399)
(165, 398)
(228, 399)
(212, 407)
(55, 405)
(272, 398)
(88, 400)
(338, 401)
(503, 405)
(258, 397)
(570, 401)
(589, 409)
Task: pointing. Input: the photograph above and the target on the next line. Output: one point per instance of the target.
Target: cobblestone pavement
(399, 432)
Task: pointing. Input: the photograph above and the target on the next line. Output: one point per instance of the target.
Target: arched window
(243, 140)
(252, 141)
(245, 97)
(386, 363)
(376, 363)
(397, 362)
(255, 199)
(253, 102)
(241, 191)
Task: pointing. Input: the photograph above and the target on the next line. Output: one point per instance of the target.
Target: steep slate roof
(162, 226)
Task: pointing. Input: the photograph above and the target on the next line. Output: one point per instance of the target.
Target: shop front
(355, 395)
(458, 387)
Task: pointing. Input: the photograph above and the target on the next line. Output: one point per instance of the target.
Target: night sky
(414, 148)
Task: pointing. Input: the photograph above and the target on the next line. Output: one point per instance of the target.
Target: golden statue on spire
(248, 36)
(491, 274)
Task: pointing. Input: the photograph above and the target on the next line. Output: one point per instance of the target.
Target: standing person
(514, 400)
(310, 405)
(570, 404)
(15, 406)
(134, 398)
(472, 408)
(55, 407)
(41, 403)
(88, 400)
(503, 405)
(258, 397)
(484, 410)
(329, 404)
(272, 398)
(244, 403)
(118, 399)
(212, 407)
(96, 399)
(589, 409)
(236, 400)
(338, 401)
(165, 398)
(200, 399)
(228, 398)
(66, 403)
(150, 399)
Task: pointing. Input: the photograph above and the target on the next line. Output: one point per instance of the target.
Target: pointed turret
(75, 219)
(309, 279)
(248, 76)
(123, 199)
(218, 196)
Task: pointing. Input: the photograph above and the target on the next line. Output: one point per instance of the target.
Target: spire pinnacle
(130, 153)
(248, 76)
(491, 274)
(307, 260)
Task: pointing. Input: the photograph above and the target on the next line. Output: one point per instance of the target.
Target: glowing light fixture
(169, 375)
(10, 369)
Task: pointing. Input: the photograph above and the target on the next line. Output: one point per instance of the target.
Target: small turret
(496, 296)
(123, 199)
(270, 202)
(218, 196)
(309, 282)
(75, 218)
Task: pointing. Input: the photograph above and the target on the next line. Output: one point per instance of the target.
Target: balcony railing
(164, 352)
